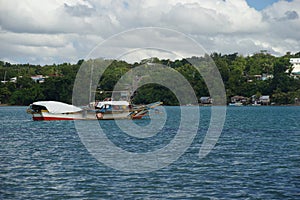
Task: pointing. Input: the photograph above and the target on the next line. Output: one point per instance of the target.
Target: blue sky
(261, 4)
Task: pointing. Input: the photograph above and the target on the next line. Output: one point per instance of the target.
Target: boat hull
(235, 104)
(46, 116)
(57, 116)
(107, 110)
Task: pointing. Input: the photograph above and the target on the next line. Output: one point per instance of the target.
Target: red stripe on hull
(50, 118)
(47, 118)
(138, 117)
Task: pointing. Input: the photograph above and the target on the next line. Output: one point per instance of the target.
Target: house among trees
(264, 100)
(266, 77)
(239, 99)
(38, 78)
(11, 80)
(206, 100)
(259, 77)
(260, 100)
(296, 67)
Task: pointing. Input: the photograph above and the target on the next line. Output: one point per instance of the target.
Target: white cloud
(57, 31)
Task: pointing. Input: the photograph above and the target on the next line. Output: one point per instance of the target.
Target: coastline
(200, 105)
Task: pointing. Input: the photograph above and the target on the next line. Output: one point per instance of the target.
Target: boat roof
(57, 107)
(114, 103)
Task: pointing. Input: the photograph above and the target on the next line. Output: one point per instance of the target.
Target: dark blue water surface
(256, 157)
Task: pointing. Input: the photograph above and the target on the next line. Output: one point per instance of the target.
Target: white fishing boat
(256, 104)
(235, 104)
(103, 110)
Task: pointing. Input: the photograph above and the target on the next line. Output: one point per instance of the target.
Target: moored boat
(235, 104)
(53, 110)
(103, 110)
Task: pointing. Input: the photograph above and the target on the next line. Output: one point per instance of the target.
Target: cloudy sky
(56, 31)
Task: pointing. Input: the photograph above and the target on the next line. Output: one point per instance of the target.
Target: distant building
(295, 62)
(259, 77)
(264, 100)
(266, 77)
(296, 67)
(206, 100)
(239, 99)
(38, 78)
(12, 80)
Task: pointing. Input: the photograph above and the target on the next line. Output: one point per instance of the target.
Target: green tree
(281, 80)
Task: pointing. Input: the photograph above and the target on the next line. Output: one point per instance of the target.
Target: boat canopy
(113, 103)
(57, 107)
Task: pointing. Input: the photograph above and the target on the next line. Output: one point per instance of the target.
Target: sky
(260, 4)
(58, 31)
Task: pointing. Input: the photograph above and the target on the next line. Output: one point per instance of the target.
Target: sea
(256, 156)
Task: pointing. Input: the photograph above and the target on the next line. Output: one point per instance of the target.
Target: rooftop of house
(204, 98)
(295, 60)
(265, 97)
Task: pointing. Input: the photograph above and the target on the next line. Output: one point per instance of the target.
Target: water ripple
(256, 157)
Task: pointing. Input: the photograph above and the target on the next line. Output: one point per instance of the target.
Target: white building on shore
(296, 67)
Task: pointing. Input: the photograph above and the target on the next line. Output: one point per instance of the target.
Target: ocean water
(256, 157)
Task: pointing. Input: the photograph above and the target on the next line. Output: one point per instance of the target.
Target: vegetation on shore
(241, 76)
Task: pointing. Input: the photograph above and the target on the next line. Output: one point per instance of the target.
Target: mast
(4, 79)
(91, 82)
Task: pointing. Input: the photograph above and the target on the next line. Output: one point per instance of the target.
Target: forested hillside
(258, 74)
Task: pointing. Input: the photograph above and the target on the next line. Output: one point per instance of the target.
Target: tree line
(241, 76)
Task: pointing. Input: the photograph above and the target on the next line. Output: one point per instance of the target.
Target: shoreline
(200, 105)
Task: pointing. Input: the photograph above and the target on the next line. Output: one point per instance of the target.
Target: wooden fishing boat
(103, 110)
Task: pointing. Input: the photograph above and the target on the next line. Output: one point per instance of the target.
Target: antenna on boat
(91, 82)
(4, 78)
